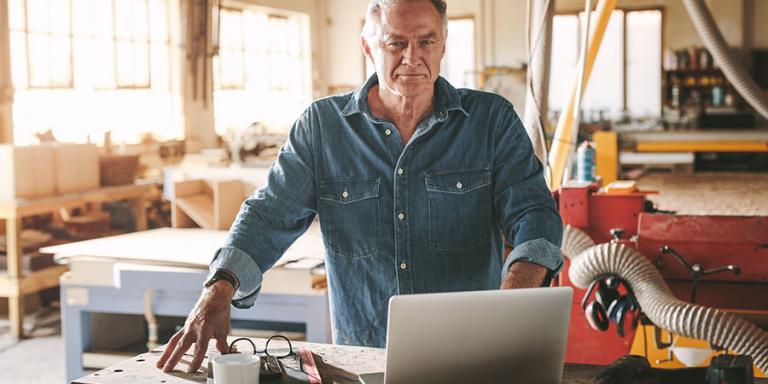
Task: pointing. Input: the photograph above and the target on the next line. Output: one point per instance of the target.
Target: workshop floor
(35, 360)
(40, 359)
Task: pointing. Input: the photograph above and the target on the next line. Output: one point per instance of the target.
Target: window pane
(39, 57)
(565, 53)
(60, 68)
(231, 29)
(16, 15)
(263, 72)
(140, 52)
(159, 21)
(59, 17)
(38, 12)
(458, 65)
(124, 58)
(644, 63)
(123, 19)
(232, 76)
(78, 113)
(18, 59)
(140, 20)
(605, 91)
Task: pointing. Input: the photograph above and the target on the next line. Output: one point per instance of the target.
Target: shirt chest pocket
(459, 208)
(350, 216)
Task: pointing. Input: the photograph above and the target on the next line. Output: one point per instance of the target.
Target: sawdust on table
(709, 193)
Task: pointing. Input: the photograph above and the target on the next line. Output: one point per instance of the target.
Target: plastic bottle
(585, 162)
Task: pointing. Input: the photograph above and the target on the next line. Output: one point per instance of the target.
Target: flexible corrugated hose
(657, 301)
(715, 43)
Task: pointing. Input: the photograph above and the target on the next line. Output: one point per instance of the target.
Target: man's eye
(427, 42)
(398, 44)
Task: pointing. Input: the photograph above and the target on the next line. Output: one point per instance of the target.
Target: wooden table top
(336, 364)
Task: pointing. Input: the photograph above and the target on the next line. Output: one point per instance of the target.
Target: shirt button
(401, 216)
(400, 171)
(459, 185)
(403, 266)
(388, 132)
(345, 194)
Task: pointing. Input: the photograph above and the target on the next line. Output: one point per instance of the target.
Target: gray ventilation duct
(657, 301)
(724, 57)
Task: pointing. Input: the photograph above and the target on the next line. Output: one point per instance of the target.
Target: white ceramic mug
(236, 368)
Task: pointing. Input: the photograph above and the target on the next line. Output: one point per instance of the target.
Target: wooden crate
(206, 204)
(26, 171)
(77, 167)
(118, 169)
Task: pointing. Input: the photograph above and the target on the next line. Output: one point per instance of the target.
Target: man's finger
(169, 348)
(201, 346)
(221, 344)
(180, 350)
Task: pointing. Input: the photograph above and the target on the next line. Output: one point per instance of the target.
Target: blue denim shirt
(396, 219)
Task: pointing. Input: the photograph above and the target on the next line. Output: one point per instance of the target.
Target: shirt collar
(448, 98)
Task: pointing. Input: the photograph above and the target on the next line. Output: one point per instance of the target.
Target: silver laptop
(509, 336)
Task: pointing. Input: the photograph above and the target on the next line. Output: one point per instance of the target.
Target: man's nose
(411, 55)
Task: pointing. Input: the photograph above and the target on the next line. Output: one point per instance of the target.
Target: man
(414, 183)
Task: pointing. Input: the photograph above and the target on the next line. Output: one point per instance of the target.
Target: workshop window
(41, 32)
(626, 76)
(263, 70)
(132, 43)
(458, 64)
(95, 66)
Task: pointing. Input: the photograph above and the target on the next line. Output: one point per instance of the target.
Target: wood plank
(43, 279)
(33, 282)
(180, 247)
(227, 198)
(138, 206)
(27, 207)
(199, 208)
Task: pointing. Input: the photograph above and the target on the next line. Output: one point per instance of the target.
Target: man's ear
(445, 41)
(366, 48)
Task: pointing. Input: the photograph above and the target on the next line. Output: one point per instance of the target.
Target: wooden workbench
(14, 284)
(337, 364)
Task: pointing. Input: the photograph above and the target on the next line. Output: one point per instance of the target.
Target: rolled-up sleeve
(271, 219)
(526, 212)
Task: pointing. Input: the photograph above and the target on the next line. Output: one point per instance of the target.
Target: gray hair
(373, 15)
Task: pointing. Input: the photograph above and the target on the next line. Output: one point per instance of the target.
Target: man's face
(408, 48)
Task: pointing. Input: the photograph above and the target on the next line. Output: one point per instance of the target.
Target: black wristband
(222, 274)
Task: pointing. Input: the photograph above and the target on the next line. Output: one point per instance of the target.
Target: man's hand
(209, 319)
(523, 274)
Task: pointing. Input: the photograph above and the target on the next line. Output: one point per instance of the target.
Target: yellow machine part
(643, 344)
(606, 155)
(702, 146)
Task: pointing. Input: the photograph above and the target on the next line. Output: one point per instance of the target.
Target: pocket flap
(348, 190)
(457, 181)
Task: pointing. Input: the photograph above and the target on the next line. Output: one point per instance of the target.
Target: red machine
(718, 261)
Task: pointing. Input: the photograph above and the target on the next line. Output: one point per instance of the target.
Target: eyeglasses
(277, 347)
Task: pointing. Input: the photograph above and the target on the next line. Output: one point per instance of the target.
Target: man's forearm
(523, 274)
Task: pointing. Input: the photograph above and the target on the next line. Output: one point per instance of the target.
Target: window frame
(626, 10)
(476, 42)
(49, 34)
(241, 49)
(70, 36)
(132, 40)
